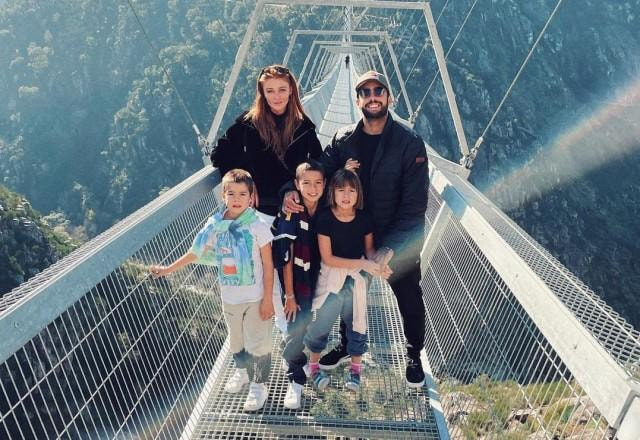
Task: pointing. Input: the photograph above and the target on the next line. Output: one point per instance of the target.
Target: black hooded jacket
(242, 147)
(397, 197)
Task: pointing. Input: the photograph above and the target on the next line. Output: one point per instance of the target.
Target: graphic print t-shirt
(240, 281)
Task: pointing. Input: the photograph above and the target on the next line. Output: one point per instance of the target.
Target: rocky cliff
(27, 243)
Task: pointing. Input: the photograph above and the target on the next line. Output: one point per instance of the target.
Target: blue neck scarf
(232, 249)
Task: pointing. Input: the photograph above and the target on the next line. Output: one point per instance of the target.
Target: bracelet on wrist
(289, 296)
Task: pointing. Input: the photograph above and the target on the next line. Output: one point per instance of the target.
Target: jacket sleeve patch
(420, 159)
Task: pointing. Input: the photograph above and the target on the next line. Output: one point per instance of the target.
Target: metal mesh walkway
(341, 110)
(384, 408)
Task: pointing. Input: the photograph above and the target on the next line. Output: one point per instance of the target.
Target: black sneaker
(334, 358)
(414, 373)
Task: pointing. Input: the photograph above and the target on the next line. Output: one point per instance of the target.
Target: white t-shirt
(231, 294)
(240, 276)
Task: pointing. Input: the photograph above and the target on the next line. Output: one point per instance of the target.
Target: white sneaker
(256, 397)
(239, 379)
(293, 398)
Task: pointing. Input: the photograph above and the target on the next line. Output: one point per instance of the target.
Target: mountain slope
(27, 244)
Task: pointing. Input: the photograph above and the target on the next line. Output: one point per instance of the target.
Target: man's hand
(266, 309)
(291, 203)
(290, 308)
(352, 165)
(386, 272)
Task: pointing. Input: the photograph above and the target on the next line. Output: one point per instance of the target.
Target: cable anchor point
(468, 160)
(204, 145)
(413, 116)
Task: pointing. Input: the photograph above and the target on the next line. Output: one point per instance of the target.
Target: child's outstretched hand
(158, 271)
(266, 310)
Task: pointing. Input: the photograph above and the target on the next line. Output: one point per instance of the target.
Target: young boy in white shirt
(238, 242)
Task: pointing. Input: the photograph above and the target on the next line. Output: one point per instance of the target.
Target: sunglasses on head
(365, 92)
(278, 70)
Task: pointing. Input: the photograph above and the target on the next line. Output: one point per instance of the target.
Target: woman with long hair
(271, 139)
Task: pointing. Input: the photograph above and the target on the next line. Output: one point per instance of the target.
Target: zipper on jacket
(302, 134)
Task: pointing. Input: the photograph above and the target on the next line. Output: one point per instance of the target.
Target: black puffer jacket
(242, 147)
(397, 198)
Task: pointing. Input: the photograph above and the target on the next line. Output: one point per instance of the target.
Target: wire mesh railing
(499, 368)
(498, 374)
(129, 354)
(616, 335)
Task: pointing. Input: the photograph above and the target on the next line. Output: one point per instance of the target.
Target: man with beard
(391, 160)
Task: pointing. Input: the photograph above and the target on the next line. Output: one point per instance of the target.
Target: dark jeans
(406, 288)
(293, 349)
(336, 304)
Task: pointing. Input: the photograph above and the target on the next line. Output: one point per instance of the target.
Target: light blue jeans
(336, 304)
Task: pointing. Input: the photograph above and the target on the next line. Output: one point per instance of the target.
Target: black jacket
(397, 198)
(242, 147)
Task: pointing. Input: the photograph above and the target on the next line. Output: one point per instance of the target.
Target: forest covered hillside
(90, 126)
(28, 243)
(562, 158)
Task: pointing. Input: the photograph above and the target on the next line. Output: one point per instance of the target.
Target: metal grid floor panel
(383, 408)
(617, 336)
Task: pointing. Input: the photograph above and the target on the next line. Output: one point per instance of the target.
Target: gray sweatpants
(249, 339)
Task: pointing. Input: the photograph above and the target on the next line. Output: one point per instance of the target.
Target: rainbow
(610, 133)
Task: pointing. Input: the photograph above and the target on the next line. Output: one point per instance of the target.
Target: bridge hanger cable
(401, 35)
(406, 46)
(324, 23)
(468, 161)
(426, 43)
(315, 38)
(417, 13)
(433, 80)
(166, 72)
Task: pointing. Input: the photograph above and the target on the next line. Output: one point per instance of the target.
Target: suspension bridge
(517, 347)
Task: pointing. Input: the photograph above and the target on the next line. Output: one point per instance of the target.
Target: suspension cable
(415, 28)
(401, 35)
(166, 72)
(426, 43)
(406, 46)
(474, 151)
(433, 80)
